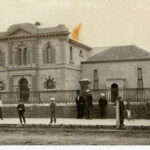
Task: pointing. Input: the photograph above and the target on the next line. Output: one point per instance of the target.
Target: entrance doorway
(24, 90)
(114, 92)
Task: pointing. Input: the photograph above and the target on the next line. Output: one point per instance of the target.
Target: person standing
(88, 104)
(128, 108)
(52, 110)
(121, 111)
(80, 105)
(1, 109)
(21, 111)
(102, 105)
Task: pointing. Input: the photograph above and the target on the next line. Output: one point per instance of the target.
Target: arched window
(19, 56)
(22, 56)
(71, 53)
(0, 58)
(48, 54)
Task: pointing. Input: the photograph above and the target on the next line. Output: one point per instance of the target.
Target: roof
(79, 44)
(96, 50)
(31, 28)
(120, 53)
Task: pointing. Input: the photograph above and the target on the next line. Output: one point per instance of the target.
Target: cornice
(115, 61)
(44, 67)
(38, 35)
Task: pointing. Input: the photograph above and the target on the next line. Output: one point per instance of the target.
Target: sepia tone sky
(104, 22)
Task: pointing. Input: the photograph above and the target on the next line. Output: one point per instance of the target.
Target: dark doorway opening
(24, 90)
(114, 92)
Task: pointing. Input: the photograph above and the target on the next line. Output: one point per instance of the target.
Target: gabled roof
(31, 28)
(26, 26)
(120, 53)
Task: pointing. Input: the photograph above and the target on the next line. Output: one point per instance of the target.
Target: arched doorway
(114, 92)
(24, 90)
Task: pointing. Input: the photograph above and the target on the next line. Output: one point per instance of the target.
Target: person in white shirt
(1, 106)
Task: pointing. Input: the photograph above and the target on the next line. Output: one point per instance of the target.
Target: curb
(61, 126)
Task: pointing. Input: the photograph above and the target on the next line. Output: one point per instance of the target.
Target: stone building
(118, 68)
(39, 59)
(36, 59)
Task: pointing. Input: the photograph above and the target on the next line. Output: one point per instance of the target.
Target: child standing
(52, 109)
(21, 110)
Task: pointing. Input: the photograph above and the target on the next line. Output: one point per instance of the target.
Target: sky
(104, 22)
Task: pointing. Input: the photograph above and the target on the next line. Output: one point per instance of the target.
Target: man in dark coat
(80, 105)
(102, 105)
(121, 111)
(88, 104)
(21, 110)
(1, 109)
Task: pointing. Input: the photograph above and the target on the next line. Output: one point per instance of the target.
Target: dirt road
(76, 136)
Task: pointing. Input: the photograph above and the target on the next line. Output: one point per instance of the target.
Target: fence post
(117, 114)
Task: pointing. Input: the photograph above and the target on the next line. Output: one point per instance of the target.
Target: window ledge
(71, 61)
(81, 55)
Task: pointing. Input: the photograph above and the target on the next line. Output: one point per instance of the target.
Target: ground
(72, 136)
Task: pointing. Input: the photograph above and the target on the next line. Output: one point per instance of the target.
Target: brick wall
(138, 112)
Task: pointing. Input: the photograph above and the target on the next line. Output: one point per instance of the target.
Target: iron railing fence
(68, 96)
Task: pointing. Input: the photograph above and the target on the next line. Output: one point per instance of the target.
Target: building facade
(36, 59)
(39, 59)
(118, 68)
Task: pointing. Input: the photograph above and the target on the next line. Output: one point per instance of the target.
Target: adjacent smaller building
(117, 68)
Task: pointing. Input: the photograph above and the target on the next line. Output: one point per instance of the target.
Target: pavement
(73, 121)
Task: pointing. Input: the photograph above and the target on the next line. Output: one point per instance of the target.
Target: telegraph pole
(37, 24)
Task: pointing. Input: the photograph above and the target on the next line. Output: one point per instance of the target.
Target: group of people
(21, 111)
(84, 107)
(85, 104)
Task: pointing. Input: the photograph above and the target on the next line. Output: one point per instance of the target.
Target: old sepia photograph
(74, 72)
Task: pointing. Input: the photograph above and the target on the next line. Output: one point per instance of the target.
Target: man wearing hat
(52, 109)
(80, 105)
(102, 105)
(88, 103)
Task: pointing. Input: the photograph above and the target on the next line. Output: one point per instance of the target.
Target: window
(19, 55)
(48, 54)
(22, 56)
(25, 56)
(71, 53)
(49, 83)
(81, 53)
(2, 85)
(95, 80)
(139, 78)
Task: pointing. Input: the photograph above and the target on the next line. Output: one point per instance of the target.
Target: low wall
(68, 111)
